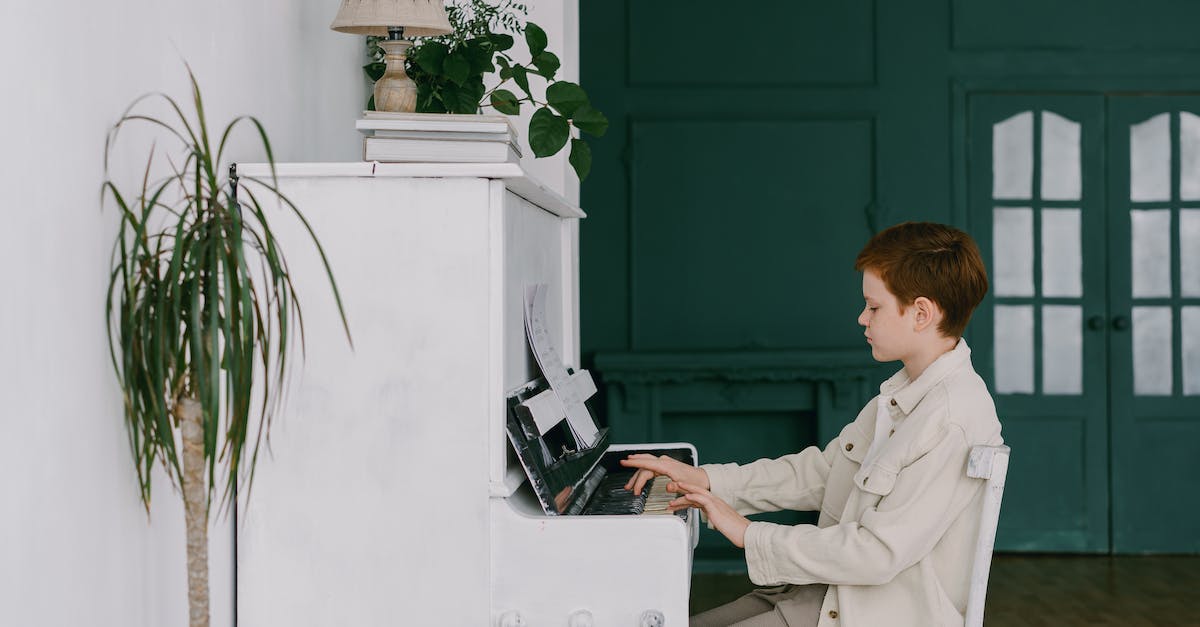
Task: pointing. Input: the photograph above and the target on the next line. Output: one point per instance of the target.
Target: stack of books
(438, 138)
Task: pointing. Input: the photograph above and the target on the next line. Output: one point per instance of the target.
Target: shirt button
(850, 446)
(893, 402)
(832, 613)
(891, 433)
(865, 480)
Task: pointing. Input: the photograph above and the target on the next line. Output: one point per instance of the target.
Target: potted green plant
(449, 72)
(201, 316)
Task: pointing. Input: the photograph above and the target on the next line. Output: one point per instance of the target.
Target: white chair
(989, 463)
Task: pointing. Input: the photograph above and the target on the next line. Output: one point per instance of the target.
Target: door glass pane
(1060, 158)
(1150, 159)
(1150, 234)
(1152, 351)
(1062, 349)
(1012, 157)
(1189, 156)
(1062, 257)
(1012, 257)
(1189, 252)
(1014, 349)
(1190, 322)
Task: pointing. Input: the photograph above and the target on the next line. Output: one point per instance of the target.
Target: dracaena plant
(201, 315)
(449, 72)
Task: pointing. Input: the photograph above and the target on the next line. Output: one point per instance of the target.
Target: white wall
(75, 545)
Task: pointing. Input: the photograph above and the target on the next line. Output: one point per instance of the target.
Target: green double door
(1087, 210)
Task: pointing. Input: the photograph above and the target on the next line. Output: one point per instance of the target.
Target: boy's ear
(925, 313)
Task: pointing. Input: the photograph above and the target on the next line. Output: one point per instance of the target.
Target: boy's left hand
(720, 515)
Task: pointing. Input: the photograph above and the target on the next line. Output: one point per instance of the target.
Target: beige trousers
(781, 606)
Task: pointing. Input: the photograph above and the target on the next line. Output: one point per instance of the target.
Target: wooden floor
(1055, 590)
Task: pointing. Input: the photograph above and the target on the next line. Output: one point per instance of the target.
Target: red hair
(939, 262)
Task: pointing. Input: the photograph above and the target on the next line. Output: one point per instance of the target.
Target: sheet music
(571, 390)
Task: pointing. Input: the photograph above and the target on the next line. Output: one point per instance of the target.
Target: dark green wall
(750, 157)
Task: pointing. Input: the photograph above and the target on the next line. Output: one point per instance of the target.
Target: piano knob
(652, 618)
(581, 618)
(512, 618)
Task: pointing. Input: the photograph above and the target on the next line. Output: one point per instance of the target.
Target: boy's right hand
(650, 467)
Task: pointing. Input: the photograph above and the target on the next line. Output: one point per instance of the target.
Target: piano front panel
(374, 502)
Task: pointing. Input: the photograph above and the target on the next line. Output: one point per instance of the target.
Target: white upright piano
(393, 495)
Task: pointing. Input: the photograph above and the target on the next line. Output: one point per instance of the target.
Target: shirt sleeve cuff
(721, 480)
(758, 553)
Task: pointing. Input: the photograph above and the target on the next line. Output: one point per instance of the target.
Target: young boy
(898, 514)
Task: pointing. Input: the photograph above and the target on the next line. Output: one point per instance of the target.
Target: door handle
(1120, 323)
(1095, 323)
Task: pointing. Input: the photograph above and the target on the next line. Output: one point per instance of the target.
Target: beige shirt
(895, 537)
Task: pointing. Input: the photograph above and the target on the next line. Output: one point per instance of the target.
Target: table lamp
(393, 19)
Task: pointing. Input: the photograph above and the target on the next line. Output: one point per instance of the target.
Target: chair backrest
(989, 463)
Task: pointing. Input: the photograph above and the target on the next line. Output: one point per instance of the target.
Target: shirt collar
(908, 393)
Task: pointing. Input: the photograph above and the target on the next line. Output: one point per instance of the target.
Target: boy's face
(890, 333)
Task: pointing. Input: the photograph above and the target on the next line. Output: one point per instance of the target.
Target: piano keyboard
(611, 497)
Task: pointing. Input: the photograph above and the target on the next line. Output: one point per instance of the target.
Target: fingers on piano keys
(611, 497)
(658, 499)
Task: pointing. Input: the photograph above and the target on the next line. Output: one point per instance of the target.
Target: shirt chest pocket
(852, 448)
(875, 479)
(852, 484)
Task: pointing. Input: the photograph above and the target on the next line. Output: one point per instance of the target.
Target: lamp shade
(420, 18)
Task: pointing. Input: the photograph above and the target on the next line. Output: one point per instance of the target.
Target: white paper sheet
(571, 390)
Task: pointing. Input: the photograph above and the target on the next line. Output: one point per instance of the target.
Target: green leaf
(590, 121)
(375, 70)
(469, 96)
(547, 64)
(581, 158)
(449, 96)
(500, 41)
(424, 98)
(547, 132)
(536, 38)
(521, 75)
(566, 97)
(506, 102)
(479, 55)
(430, 56)
(430, 101)
(456, 67)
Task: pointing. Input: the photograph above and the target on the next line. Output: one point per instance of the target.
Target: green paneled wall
(818, 43)
(752, 154)
(713, 236)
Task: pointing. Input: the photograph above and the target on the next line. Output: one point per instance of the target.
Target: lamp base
(395, 92)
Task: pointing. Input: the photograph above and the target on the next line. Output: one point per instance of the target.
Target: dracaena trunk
(195, 505)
